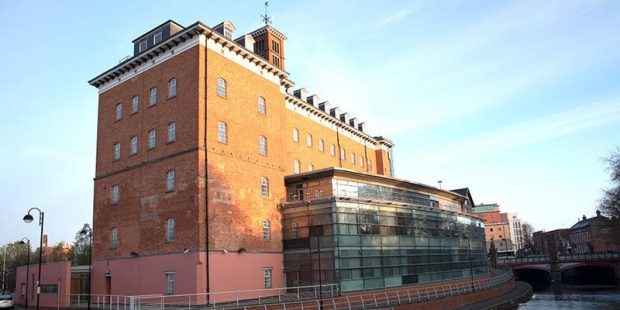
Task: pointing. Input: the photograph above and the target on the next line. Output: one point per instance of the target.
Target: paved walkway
(520, 294)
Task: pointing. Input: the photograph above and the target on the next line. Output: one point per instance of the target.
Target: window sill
(132, 113)
(169, 191)
(115, 159)
(151, 148)
(151, 105)
(133, 154)
(118, 120)
(168, 241)
(171, 97)
(171, 141)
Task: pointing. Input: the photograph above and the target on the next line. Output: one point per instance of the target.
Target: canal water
(600, 297)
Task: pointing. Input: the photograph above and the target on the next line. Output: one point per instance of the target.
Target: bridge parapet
(569, 258)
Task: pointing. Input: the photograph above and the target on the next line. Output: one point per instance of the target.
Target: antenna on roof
(266, 18)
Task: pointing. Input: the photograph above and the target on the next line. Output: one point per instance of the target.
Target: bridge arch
(589, 272)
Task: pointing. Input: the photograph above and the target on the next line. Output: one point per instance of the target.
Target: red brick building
(195, 134)
(593, 235)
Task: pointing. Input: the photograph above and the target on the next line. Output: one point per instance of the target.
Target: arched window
(262, 105)
(262, 145)
(115, 194)
(295, 134)
(170, 180)
(264, 187)
(221, 87)
(297, 166)
(352, 158)
(153, 98)
(332, 150)
(321, 145)
(172, 131)
(133, 145)
(294, 230)
(118, 111)
(222, 132)
(362, 159)
(114, 238)
(170, 230)
(343, 153)
(309, 140)
(266, 230)
(172, 88)
(310, 167)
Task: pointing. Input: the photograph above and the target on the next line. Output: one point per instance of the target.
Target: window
(295, 134)
(362, 159)
(275, 46)
(352, 158)
(153, 98)
(222, 132)
(321, 145)
(297, 164)
(142, 46)
(369, 164)
(133, 145)
(172, 132)
(152, 138)
(170, 230)
(262, 105)
(309, 140)
(267, 276)
(310, 167)
(228, 33)
(114, 238)
(332, 150)
(170, 282)
(221, 87)
(115, 194)
(266, 229)
(276, 60)
(262, 145)
(117, 151)
(343, 154)
(170, 180)
(172, 88)
(294, 230)
(264, 187)
(134, 104)
(118, 112)
(157, 37)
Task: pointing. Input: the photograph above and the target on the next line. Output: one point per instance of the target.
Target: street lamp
(27, 267)
(88, 232)
(471, 269)
(28, 219)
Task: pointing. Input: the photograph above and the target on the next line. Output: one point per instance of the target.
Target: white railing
(562, 258)
(99, 301)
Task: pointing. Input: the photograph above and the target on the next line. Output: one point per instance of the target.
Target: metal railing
(562, 258)
(99, 301)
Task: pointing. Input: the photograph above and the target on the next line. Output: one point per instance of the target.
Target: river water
(600, 297)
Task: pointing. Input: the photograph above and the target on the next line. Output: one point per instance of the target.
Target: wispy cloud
(524, 133)
(389, 20)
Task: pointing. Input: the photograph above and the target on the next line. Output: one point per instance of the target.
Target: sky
(517, 100)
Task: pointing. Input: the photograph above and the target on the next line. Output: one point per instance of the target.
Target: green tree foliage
(16, 255)
(610, 203)
(80, 252)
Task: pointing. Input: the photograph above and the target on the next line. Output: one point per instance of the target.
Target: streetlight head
(28, 218)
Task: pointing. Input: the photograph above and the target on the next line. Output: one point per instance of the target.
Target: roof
(465, 192)
(486, 208)
(166, 22)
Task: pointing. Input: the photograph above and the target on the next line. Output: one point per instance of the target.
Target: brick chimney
(269, 44)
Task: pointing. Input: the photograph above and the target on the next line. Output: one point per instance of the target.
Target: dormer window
(228, 33)
(142, 46)
(157, 36)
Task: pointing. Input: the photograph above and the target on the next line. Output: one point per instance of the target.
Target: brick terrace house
(196, 132)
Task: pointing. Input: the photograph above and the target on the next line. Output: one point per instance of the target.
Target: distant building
(516, 231)
(496, 228)
(593, 235)
(555, 241)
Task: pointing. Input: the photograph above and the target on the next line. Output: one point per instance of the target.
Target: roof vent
(301, 93)
(325, 106)
(314, 100)
(335, 112)
(246, 41)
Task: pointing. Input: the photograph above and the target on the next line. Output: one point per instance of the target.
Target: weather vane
(266, 18)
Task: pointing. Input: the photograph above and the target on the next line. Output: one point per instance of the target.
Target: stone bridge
(556, 265)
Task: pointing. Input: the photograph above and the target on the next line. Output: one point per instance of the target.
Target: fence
(99, 301)
(562, 258)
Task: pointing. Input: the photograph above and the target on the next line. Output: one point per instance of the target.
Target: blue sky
(519, 101)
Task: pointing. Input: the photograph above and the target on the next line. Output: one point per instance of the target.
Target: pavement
(511, 300)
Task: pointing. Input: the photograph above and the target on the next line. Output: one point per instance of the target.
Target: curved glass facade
(372, 236)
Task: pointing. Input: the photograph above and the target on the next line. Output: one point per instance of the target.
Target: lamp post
(28, 218)
(88, 232)
(27, 267)
(471, 269)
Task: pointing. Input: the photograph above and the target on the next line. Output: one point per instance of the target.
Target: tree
(610, 203)
(80, 252)
(16, 255)
(527, 230)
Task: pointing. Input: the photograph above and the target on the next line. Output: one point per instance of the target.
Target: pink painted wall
(229, 272)
(50, 273)
(146, 275)
(240, 272)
